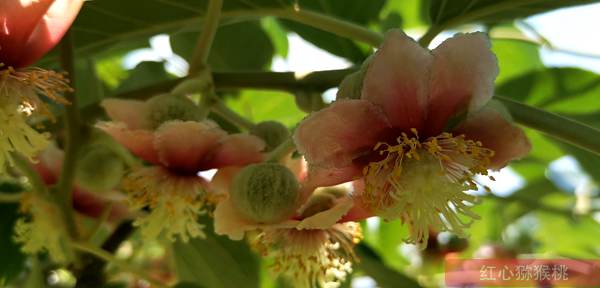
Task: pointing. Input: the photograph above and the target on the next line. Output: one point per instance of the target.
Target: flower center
(424, 183)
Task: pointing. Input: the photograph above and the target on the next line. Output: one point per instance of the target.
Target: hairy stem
(285, 148)
(559, 127)
(209, 29)
(72, 127)
(222, 110)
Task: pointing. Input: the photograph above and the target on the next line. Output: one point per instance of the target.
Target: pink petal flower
(184, 146)
(497, 133)
(323, 177)
(28, 29)
(338, 134)
(130, 112)
(463, 73)
(139, 142)
(237, 150)
(397, 80)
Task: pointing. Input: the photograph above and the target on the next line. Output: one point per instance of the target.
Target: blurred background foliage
(552, 212)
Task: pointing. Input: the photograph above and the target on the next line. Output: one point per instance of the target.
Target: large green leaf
(357, 11)
(442, 12)
(568, 237)
(241, 46)
(562, 90)
(216, 262)
(259, 106)
(515, 58)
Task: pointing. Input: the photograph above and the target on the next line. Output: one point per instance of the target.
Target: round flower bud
(272, 132)
(309, 101)
(166, 107)
(351, 86)
(265, 192)
(99, 168)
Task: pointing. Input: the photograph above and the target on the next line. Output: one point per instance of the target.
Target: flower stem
(219, 108)
(72, 127)
(211, 24)
(84, 247)
(562, 128)
(285, 148)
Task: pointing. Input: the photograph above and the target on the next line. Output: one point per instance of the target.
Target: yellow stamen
(424, 183)
(44, 231)
(312, 258)
(175, 202)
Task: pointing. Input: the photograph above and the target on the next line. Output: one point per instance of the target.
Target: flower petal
(462, 78)
(397, 80)
(185, 145)
(336, 135)
(327, 218)
(31, 28)
(497, 133)
(139, 142)
(130, 112)
(237, 150)
(51, 29)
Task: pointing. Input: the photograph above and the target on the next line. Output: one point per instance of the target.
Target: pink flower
(401, 136)
(31, 28)
(177, 151)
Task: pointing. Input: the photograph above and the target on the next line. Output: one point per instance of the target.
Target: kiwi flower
(311, 246)
(416, 126)
(29, 30)
(165, 132)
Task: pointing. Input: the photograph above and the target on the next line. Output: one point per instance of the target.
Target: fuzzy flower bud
(100, 168)
(265, 193)
(166, 107)
(309, 101)
(272, 132)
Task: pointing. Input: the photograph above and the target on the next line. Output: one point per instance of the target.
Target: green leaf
(216, 262)
(241, 46)
(357, 11)
(277, 34)
(442, 12)
(515, 58)
(88, 88)
(266, 105)
(568, 237)
(144, 74)
(401, 14)
(373, 265)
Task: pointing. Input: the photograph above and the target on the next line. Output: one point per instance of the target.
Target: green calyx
(265, 192)
(167, 107)
(272, 132)
(100, 168)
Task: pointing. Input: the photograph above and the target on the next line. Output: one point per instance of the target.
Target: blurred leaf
(277, 34)
(568, 237)
(12, 259)
(373, 265)
(401, 14)
(589, 162)
(357, 11)
(266, 105)
(515, 58)
(467, 11)
(144, 74)
(88, 88)
(110, 70)
(216, 262)
(241, 46)
(561, 90)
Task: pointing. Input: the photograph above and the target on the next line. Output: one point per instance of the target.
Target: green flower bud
(166, 107)
(99, 168)
(351, 86)
(272, 132)
(309, 101)
(265, 192)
